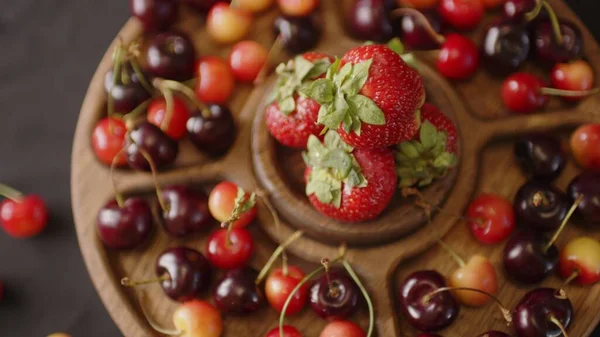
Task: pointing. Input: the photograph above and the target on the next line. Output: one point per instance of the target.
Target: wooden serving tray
(384, 251)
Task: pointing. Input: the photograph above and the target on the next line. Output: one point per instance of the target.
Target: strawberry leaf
(322, 91)
(396, 45)
(367, 110)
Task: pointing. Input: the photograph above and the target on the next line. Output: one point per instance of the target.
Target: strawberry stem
(365, 294)
(10, 193)
(279, 251)
(564, 223)
(440, 39)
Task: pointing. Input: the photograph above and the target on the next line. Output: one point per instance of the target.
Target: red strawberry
(371, 97)
(292, 118)
(347, 184)
(431, 154)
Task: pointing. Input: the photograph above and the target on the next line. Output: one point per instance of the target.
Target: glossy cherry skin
(187, 211)
(458, 57)
(549, 51)
(150, 138)
(491, 218)
(588, 184)
(462, 14)
(297, 7)
(108, 139)
(189, 273)
(215, 80)
(221, 203)
(227, 24)
(521, 92)
(415, 36)
(202, 5)
(171, 55)
(126, 227)
(477, 273)
(505, 47)
(176, 127)
(540, 156)
(369, 20)
(515, 10)
(128, 92)
(582, 256)
(247, 58)
(288, 331)
(23, 218)
(212, 134)
(531, 315)
(576, 75)
(525, 260)
(336, 302)
(585, 145)
(155, 15)
(541, 206)
(229, 254)
(342, 329)
(198, 319)
(278, 287)
(298, 34)
(237, 293)
(437, 313)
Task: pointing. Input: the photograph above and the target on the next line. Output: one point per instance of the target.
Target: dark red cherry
(415, 36)
(588, 185)
(155, 15)
(202, 5)
(526, 260)
(237, 293)
(515, 10)
(494, 333)
(540, 156)
(187, 211)
(505, 47)
(128, 92)
(171, 55)
(369, 20)
(425, 314)
(334, 297)
(298, 34)
(212, 133)
(186, 272)
(549, 51)
(124, 227)
(539, 311)
(541, 206)
(149, 138)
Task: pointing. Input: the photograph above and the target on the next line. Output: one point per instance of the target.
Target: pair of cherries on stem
(22, 216)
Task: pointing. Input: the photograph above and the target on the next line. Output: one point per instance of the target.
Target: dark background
(49, 50)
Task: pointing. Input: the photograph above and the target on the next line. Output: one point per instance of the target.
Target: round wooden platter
(383, 251)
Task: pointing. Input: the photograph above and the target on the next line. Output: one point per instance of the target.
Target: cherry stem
(170, 85)
(117, 60)
(539, 198)
(279, 251)
(333, 290)
(126, 282)
(440, 39)
(365, 294)
(568, 93)
(564, 223)
(156, 326)
(529, 16)
(505, 312)
(265, 199)
(134, 51)
(113, 166)
(284, 263)
(570, 279)
(10, 193)
(554, 21)
(140, 109)
(556, 322)
(273, 52)
(452, 253)
(161, 201)
(426, 206)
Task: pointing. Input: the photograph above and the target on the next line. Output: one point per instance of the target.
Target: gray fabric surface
(49, 50)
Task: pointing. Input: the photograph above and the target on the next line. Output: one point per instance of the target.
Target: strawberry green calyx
(341, 103)
(293, 75)
(332, 164)
(397, 46)
(419, 162)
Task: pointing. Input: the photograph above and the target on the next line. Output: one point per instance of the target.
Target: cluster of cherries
(530, 254)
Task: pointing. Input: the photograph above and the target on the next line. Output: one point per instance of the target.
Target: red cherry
(577, 76)
(176, 128)
(198, 319)
(489, 4)
(581, 256)
(23, 216)
(585, 144)
(227, 24)
(279, 286)
(462, 14)
(255, 6)
(491, 218)
(246, 60)
(342, 329)
(458, 57)
(215, 80)
(288, 331)
(221, 202)
(522, 92)
(297, 7)
(229, 250)
(108, 138)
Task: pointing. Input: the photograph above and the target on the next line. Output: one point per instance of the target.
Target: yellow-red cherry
(478, 273)
(255, 6)
(229, 249)
(297, 7)
(23, 216)
(227, 24)
(108, 139)
(491, 218)
(221, 202)
(198, 319)
(215, 80)
(577, 76)
(288, 331)
(279, 286)
(247, 59)
(342, 329)
(582, 256)
(585, 144)
(175, 127)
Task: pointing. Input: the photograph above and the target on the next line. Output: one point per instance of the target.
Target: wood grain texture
(383, 252)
